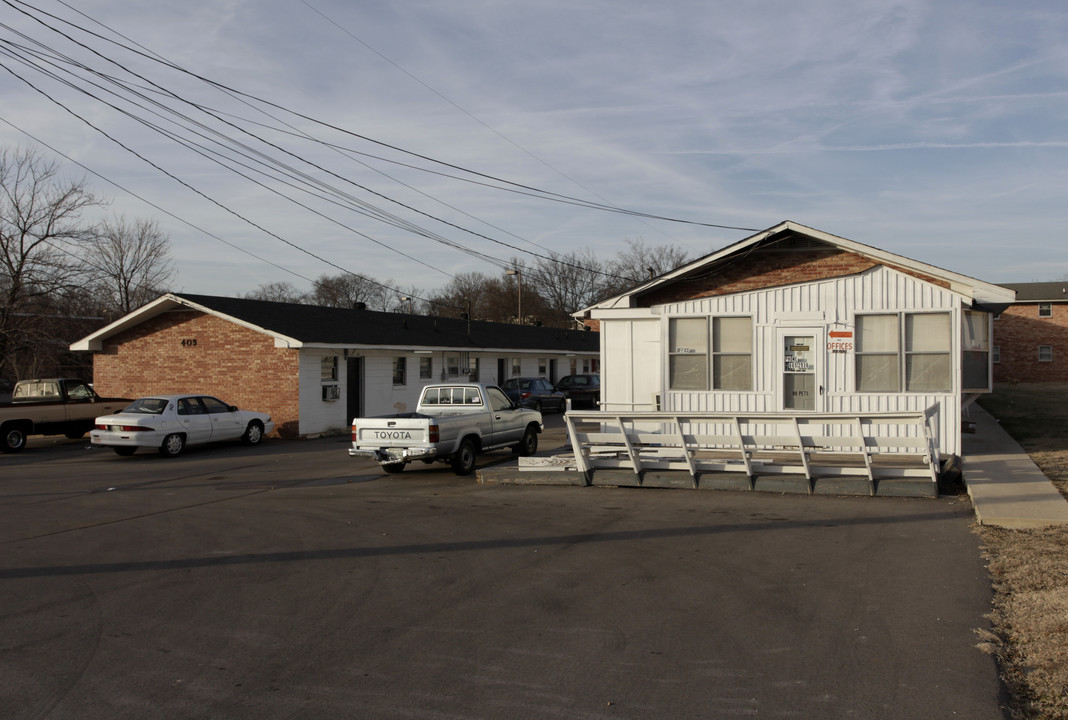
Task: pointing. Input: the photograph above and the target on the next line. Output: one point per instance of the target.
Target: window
(214, 405)
(399, 368)
(517, 367)
(688, 354)
(877, 353)
(928, 358)
(543, 366)
(1045, 353)
(732, 353)
(722, 362)
(1045, 309)
(924, 365)
(328, 368)
(975, 350)
(190, 406)
(426, 368)
(452, 365)
(995, 354)
(472, 364)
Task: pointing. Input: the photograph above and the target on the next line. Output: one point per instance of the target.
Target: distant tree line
(553, 287)
(62, 275)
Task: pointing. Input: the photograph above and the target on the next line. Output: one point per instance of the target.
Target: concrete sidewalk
(1006, 487)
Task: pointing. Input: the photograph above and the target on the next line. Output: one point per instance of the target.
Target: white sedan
(170, 422)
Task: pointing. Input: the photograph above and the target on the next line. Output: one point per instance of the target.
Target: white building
(795, 320)
(315, 368)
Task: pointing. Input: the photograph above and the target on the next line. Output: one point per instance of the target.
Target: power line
(540, 193)
(375, 212)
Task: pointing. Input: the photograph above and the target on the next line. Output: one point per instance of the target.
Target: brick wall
(238, 365)
(1018, 333)
(765, 268)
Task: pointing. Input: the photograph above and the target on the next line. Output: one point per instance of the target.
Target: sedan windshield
(147, 406)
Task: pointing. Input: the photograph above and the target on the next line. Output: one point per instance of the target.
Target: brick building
(1031, 335)
(793, 320)
(315, 368)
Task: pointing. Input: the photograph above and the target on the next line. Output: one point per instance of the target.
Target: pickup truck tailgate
(392, 433)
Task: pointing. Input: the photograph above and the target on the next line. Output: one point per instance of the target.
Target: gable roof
(971, 290)
(1040, 291)
(296, 325)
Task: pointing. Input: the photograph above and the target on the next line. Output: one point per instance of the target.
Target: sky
(414, 140)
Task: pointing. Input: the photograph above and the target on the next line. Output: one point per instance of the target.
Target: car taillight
(354, 432)
(127, 428)
(101, 427)
(435, 434)
(524, 396)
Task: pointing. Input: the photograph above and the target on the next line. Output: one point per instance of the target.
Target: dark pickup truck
(53, 406)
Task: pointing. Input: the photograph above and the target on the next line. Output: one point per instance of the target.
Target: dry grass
(1029, 568)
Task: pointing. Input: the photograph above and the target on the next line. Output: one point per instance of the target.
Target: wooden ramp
(723, 449)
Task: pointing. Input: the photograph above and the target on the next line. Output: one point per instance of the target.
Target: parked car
(170, 422)
(583, 390)
(534, 392)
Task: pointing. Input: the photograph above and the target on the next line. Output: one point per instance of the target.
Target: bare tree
(639, 263)
(133, 264)
(568, 282)
(278, 291)
(41, 234)
(347, 289)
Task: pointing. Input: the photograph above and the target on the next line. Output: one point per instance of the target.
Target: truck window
(78, 391)
(498, 400)
(43, 390)
(471, 396)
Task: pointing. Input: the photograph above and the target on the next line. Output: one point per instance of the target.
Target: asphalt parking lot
(290, 581)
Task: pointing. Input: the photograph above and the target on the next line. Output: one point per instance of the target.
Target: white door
(801, 379)
(225, 423)
(193, 416)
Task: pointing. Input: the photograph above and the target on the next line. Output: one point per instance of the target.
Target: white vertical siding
(318, 416)
(631, 353)
(824, 305)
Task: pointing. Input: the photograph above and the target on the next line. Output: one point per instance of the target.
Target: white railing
(875, 446)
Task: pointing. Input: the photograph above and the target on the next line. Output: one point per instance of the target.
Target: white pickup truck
(453, 423)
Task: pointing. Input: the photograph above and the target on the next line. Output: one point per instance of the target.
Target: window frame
(1048, 354)
(903, 352)
(328, 365)
(712, 326)
(715, 354)
(426, 367)
(674, 353)
(400, 370)
(1045, 309)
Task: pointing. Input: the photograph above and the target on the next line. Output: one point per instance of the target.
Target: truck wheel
(13, 438)
(393, 468)
(528, 445)
(172, 445)
(463, 462)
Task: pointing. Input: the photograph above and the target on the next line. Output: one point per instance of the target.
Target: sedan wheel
(253, 433)
(172, 445)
